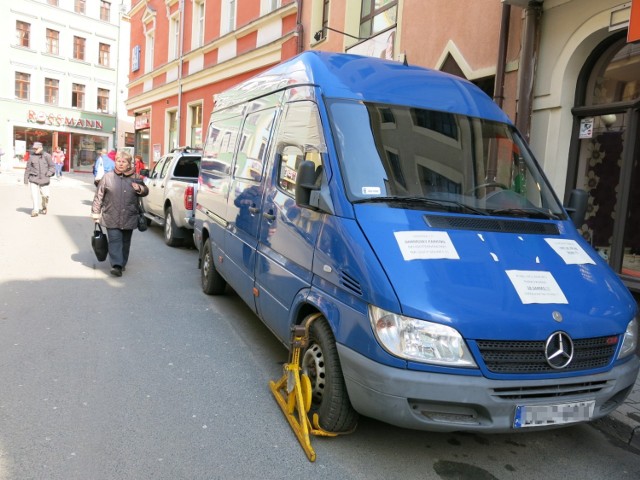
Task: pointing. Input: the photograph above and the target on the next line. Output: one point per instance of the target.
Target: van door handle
(269, 216)
(254, 210)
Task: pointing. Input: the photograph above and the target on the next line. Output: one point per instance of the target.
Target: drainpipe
(528, 57)
(498, 92)
(180, 65)
(299, 28)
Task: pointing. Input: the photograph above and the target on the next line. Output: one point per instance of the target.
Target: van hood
(506, 284)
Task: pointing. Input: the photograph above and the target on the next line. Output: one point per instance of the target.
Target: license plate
(545, 415)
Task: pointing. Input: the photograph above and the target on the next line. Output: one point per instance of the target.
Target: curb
(621, 427)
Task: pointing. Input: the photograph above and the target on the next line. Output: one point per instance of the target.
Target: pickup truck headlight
(629, 339)
(419, 340)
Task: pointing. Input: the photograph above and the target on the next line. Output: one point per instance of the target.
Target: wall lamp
(320, 33)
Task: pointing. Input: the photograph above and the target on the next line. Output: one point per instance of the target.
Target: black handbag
(99, 243)
(142, 220)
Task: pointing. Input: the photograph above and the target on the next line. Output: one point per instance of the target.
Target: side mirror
(305, 182)
(577, 206)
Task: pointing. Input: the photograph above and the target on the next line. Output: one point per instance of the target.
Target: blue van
(402, 205)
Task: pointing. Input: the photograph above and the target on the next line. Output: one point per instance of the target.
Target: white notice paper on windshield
(536, 287)
(570, 251)
(416, 245)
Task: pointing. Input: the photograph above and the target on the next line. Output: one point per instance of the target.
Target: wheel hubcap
(313, 366)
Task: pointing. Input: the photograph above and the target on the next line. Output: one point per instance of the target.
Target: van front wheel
(211, 281)
(329, 398)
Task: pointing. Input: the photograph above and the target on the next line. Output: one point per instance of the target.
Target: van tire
(171, 229)
(320, 362)
(211, 281)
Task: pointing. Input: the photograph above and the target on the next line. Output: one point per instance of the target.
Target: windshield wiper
(529, 212)
(429, 202)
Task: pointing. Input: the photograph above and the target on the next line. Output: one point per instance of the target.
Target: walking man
(37, 175)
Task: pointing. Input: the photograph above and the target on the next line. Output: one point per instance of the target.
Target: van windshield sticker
(416, 245)
(536, 287)
(570, 251)
(371, 190)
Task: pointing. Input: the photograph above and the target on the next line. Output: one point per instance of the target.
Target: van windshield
(432, 160)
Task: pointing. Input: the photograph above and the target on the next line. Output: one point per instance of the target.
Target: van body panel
(427, 236)
(474, 294)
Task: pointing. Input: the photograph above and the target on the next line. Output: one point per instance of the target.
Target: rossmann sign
(60, 120)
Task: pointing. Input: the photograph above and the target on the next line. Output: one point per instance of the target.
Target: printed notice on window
(570, 251)
(536, 287)
(426, 245)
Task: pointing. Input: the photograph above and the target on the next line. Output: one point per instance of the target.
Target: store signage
(142, 121)
(633, 34)
(60, 120)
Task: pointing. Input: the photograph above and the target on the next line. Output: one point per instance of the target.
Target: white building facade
(62, 79)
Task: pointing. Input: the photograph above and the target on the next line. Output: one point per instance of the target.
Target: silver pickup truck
(173, 183)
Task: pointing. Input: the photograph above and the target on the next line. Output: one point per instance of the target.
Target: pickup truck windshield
(431, 160)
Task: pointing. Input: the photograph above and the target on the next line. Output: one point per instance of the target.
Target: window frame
(79, 48)
(104, 54)
(105, 11)
(80, 6)
(77, 95)
(53, 41)
(102, 103)
(23, 34)
(373, 13)
(22, 80)
(51, 91)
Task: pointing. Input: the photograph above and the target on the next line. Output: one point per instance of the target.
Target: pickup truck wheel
(171, 229)
(211, 281)
(329, 398)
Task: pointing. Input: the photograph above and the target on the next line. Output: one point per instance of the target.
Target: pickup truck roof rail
(186, 149)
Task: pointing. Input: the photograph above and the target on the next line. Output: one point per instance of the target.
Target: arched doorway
(605, 153)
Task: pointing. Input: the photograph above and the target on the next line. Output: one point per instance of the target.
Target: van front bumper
(446, 403)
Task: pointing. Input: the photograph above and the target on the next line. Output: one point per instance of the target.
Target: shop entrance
(606, 152)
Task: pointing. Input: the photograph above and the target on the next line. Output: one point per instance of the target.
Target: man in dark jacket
(37, 175)
(116, 201)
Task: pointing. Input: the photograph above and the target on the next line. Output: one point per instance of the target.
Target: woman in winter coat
(37, 174)
(116, 201)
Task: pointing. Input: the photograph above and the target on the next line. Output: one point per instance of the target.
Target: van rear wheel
(329, 398)
(211, 281)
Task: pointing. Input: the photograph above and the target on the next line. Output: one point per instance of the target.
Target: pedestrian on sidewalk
(138, 163)
(116, 201)
(104, 164)
(58, 161)
(37, 175)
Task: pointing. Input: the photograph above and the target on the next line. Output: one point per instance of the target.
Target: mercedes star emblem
(558, 350)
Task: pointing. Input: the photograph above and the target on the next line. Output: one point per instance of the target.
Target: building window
(77, 96)
(53, 42)
(325, 17)
(23, 80)
(80, 6)
(78, 48)
(228, 16)
(51, 91)
(103, 100)
(196, 126)
(377, 15)
(103, 56)
(53, 2)
(105, 11)
(174, 37)
(148, 54)
(23, 29)
(198, 25)
(172, 122)
(267, 6)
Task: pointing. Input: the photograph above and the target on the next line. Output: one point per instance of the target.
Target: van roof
(342, 75)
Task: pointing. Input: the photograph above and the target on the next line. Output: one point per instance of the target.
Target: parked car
(173, 183)
(399, 210)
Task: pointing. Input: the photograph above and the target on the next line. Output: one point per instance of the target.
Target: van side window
(221, 142)
(299, 138)
(256, 132)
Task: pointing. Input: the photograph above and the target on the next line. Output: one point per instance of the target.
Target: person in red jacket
(139, 164)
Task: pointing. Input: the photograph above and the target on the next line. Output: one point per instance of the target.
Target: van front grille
(529, 356)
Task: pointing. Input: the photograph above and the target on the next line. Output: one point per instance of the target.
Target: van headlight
(629, 339)
(419, 340)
